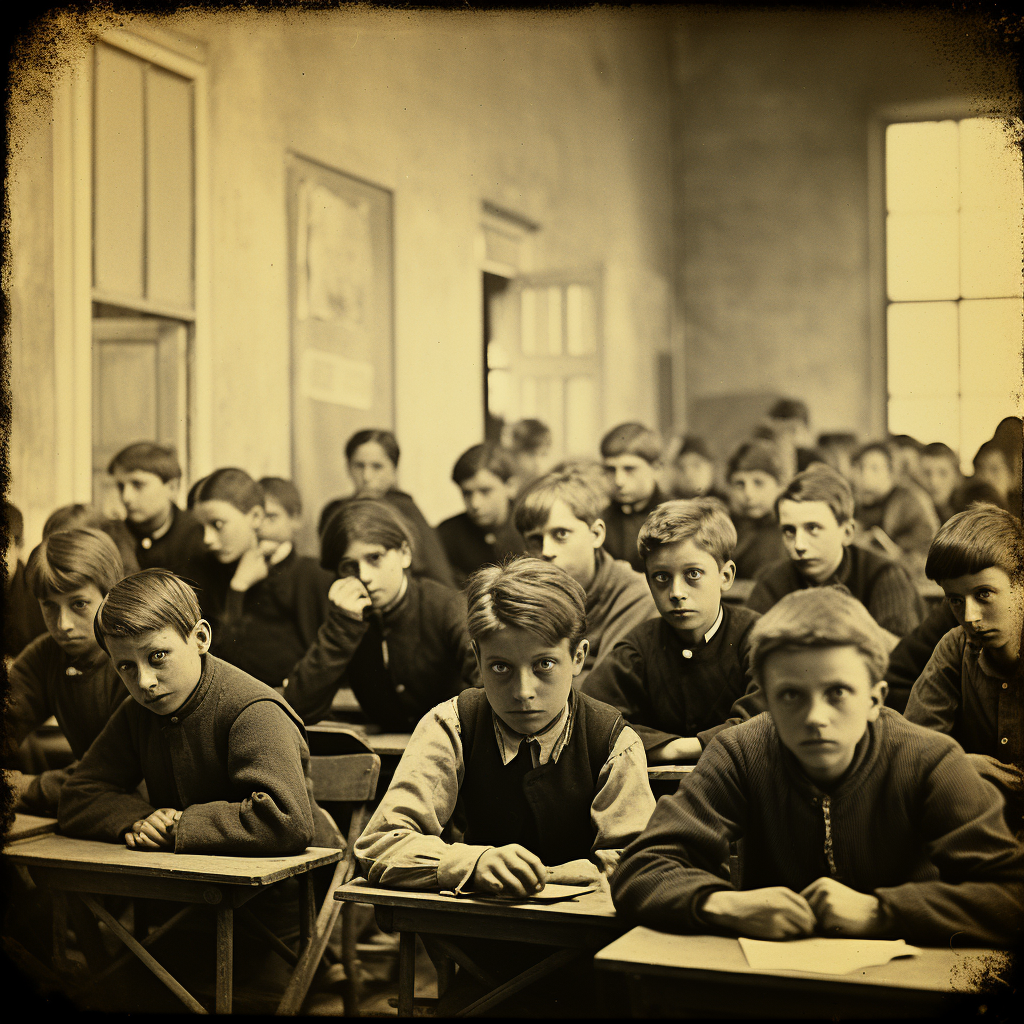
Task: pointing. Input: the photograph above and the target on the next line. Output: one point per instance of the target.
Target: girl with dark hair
(63, 672)
(265, 602)
(397, 641)
(372, 459)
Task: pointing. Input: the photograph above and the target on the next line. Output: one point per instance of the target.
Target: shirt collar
(551, 739)
(281, 552)
(714, 629)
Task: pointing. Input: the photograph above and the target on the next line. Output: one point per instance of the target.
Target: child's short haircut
(873, 446)
(529, 594)
(147, 457)
(838, 439)
(821, 483)
(978, 538)
(492, 457)
(819, 617)
(703, 520)
(790, 409)
(284, 492)
(691, 444)
(361, 519)
(632, 439)
(940, 450)
(583, 495)
(15, 523)
(230, 484)
(384, 438)
(147, 602)
(530, 436)
(991, 448)
(758, 455)
(905, 441)
(67, 560)
(977, 492)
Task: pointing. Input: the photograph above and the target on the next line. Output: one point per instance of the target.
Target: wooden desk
(344, 703)
(27, 825)
(709, 974)
(584, 924)
(383, 744)
(88, 869)
(668, 772)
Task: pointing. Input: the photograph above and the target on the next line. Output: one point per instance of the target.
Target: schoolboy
(791, 417)
(549, 783)
(694, 470)
(837, 450)
(631, 456)
(148, 477)
(559, 517)
(854, 821)
(675, 678)
(23, 621)
(484, 534)
(282, 517)
(940, 476)
(973, 686)
(756, 477)
(529, 441)
(904, 514)
(992, 466)
(815, 514)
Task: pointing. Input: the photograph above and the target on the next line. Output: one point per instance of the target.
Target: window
(954, 314)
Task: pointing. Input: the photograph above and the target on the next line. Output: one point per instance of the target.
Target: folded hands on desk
(155, 832)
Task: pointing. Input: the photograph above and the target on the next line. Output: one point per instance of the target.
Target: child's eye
(499, 668)
(836, 693)
(560, 535)
(546, 664)
(218, 524)
(79, 604)
(661, 578)
(813, 528)
(694, 574)
(156, 657)
(984, 594)
(788, 531)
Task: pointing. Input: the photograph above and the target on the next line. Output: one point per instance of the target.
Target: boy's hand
(155, 832)
(841, 910)
(350, 596)
(252, 567)
(773, 913)
(685, 748)
(574, 872)
(511, 870)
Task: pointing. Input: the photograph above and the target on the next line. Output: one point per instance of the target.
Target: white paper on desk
(549, 894)
(823, 956)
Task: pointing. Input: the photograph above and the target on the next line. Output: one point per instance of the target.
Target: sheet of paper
(549, 894)
(823, 956)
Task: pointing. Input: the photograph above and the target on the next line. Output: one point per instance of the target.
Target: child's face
(631, 478)
(69, 618)
(687, 584)
(821, 700)
(372, 472)
(814, 539)
(693, 474)
(144, 495)
(159, 668)
(992, 469)
(872, 476)
(380, 569)
(227, 531)
(939, 477)
(527, 681)
(754, 492)
(567, 542)
(487, 499)
(277, 524)
(989, 607)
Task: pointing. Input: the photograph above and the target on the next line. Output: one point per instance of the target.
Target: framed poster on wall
(341, 291)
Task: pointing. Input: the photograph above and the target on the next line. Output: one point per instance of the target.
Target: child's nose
(817, 713)
(526, 685)
(679, 589)
(972, 610)
(210, 537)
(548, 548)
(64, 620)
(147, 678)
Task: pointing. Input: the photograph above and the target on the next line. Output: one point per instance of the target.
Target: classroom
(514, 512)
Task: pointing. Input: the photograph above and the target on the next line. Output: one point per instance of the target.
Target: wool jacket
(881, 585)
(178, 549)
(470, 547)
(907, 516)
(398, 665)
(910, 821)
(758, 544)
(618, 600)
(81, 695)
(909, 657)
(623, 522)
(266, 629)
(23, 620)
(233, 759)
(662, 693)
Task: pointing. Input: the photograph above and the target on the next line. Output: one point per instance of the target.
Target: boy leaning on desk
(855, 822)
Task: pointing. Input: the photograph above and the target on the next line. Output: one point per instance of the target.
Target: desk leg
(307, 910)
(406, 972)
(60, 932)
(225, 958)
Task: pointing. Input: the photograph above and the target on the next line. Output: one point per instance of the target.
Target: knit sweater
(470, 547)
(909, 657)
(622, 524)
(82, 702)
(906, 515)
(233, 758)
(618, 600)
(758, 544)
(398, 665)
(881, 585)
(662, 693)
(910, 821)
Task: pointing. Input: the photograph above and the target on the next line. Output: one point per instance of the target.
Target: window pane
(923, 256)
(921, 166)
(927, 419)
(990, 165)
(922, 356)
(500, 398)
(990, 349)
(528, 326)
(581, 337)
(554, 324)
(991, 244)
(581, 423)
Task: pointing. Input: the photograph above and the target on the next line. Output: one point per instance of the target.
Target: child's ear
(173, 487)
(598, 531)
(406, 552)
(256, 516)
(580, 657)
(203, 635)
(727, 574)
(848, 528)
(878, 694)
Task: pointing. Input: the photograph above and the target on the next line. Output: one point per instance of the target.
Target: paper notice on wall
(327, 377)
(823, 956)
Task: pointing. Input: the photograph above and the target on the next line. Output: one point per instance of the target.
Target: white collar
(714, 629)
(551, 740)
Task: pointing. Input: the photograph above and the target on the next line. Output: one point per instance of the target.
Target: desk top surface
(646, 951)
(26, 825)
(86, 855)
(385, 744)
(668, 771)
(588, 909)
